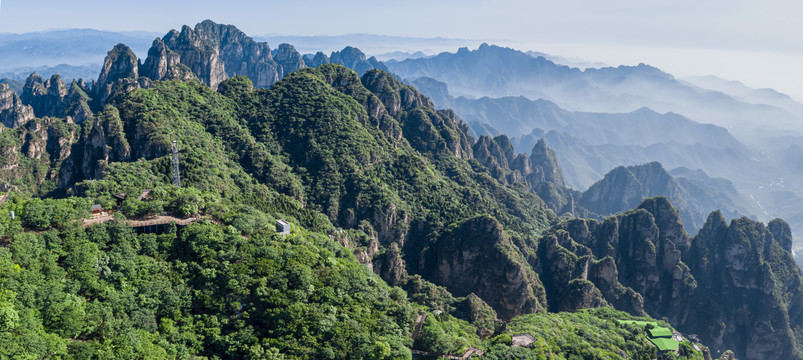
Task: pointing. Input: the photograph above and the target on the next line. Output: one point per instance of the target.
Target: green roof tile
(665, 344)
(660, 332)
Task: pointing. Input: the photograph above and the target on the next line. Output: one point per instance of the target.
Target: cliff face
(458, 260)
(731, 284)
(197, 53)
(319, 59)
(102, 141)
(52, 98)
(32, 146)
(215, 52)
(427, 130)
(13, 112)
(120, 70)
(624, 188)
(354, 59)
(539, 172)
(752, 285)
(163, 63)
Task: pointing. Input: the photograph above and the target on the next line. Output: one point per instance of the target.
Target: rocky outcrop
(77, 103)
(13, 112)
(750, 286)
(46, 97)
(120, 63)
(354, 59)
(51, 98)
(197, 53)
(102, 141)
(735, 285)
(544, 158)
(390, 265)
(427, 131)
(540, 172)
(163, 63)
(214, 52)
(288, 58)
(240, 54)
(498, 155)
(624, 188)
(119, 73)
(319, 59)
(459, 261)
(36, 144)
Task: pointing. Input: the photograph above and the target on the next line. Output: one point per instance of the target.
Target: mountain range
(76, 47)
(756, 162)
(498, 72)
(367, 171)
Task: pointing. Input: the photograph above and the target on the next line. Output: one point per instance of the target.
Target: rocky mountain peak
(55, 87)
(354, 59)
(349, 55)
(220, 34)
(199, 54)
(289, 59)
(34, 86)
(544, 157)
(163, 63)
(120, 63)
(782, 233)
(506, 146)
(668, 221)
(319, 59)
(13, 112)
(744, 260)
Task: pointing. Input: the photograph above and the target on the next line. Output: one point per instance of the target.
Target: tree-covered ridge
(585, 334)
(231, 288)
(205, 291)
(370, 164)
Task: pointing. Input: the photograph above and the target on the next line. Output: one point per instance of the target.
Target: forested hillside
(404, 235)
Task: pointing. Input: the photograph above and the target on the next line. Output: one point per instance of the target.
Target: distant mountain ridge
(72, 47)
(624, 188)
(762, 169)
(601, 141)
(499, 72)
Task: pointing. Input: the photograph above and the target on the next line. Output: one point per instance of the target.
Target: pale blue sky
(757, 42)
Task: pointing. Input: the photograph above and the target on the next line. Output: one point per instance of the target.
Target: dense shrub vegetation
(319, 150)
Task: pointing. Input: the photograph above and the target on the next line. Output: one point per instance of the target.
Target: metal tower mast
(174, 158)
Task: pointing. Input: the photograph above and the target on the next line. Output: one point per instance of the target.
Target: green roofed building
(665, 344)
(658, 332)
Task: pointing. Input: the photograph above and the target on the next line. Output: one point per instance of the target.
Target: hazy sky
(756, 42)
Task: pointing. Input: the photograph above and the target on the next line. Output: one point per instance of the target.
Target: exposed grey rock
(354, 59)
(120, 64)
(545, 158)
(13, 112)
(458, 261)
(289, 59)
(198, 54)
(163, 63)
(319, 59)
